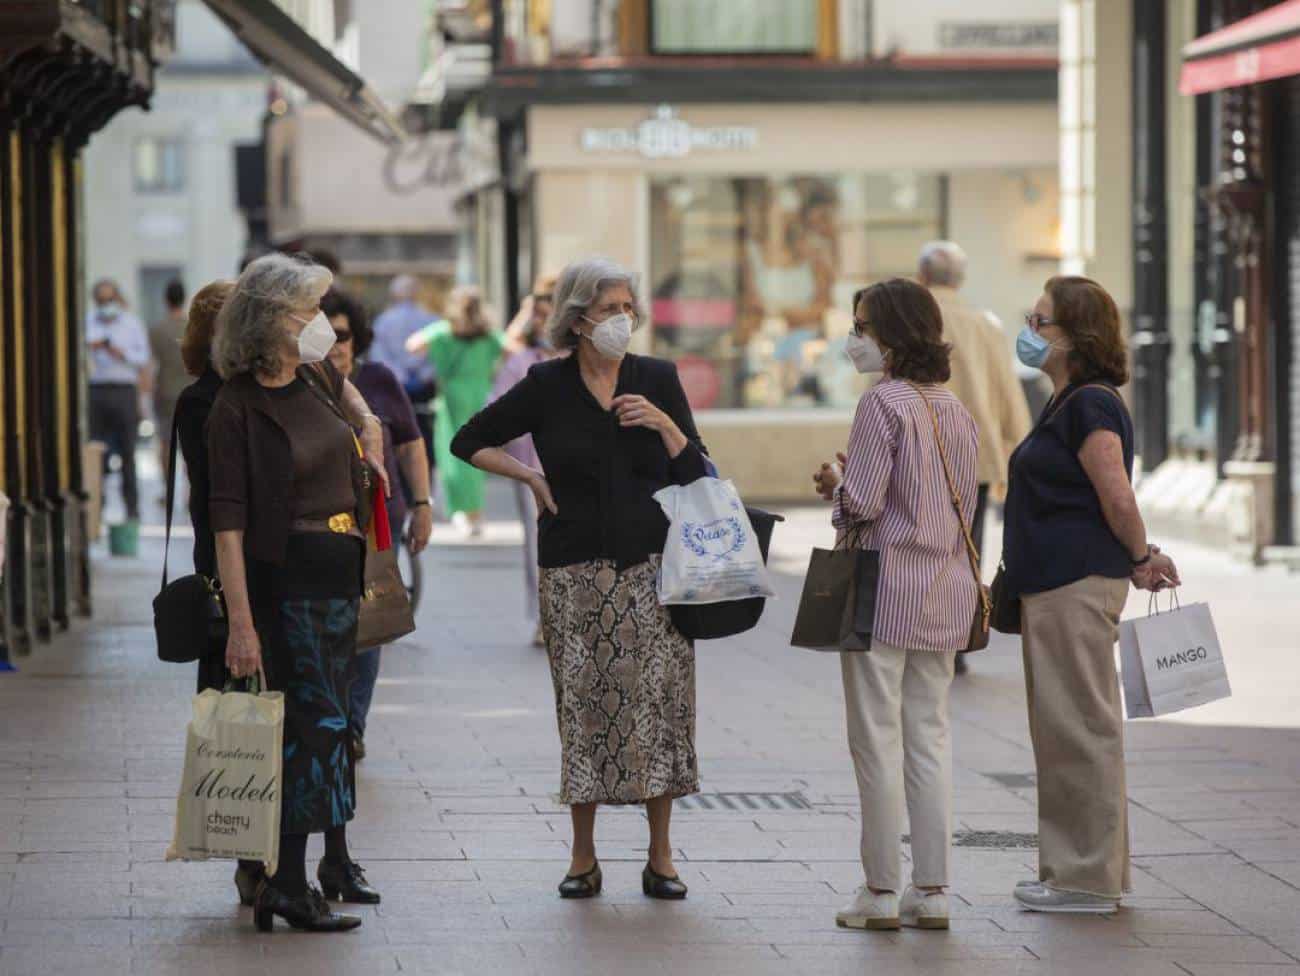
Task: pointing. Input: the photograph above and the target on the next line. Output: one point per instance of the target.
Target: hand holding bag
(189, 614)
(979, 628)
(837, 609)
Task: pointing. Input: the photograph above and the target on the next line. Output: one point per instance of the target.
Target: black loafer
(346, 882)
(308, 911)
(248, 876)
(582, 885)
(657, 886)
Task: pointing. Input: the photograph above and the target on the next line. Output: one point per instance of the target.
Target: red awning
(1263, 46)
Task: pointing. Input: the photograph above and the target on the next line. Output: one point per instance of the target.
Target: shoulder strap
(1087, 386)
(971, 552)
(171, 493)
(318, 385)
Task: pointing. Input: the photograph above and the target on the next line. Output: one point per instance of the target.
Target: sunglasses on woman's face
(342, 335)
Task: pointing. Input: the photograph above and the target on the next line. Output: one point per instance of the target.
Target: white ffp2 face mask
(612, 337)
(316, 340)
(865, 353)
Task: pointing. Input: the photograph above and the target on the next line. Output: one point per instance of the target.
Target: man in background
(983, 378)
(403, 317)
(169, 375)
(119, 352)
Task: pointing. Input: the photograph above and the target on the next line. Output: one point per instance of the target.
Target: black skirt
(306, 616)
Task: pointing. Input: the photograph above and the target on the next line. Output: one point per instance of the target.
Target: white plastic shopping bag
(712, 554)
(229, 801)
(1171, 661)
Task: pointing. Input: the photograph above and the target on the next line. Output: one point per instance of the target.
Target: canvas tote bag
(1171, 661)
(228, 806)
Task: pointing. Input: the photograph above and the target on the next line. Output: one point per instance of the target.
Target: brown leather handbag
(979, 628)
(385, 613)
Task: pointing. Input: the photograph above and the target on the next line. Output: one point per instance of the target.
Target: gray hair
(942, 263)
(250, 333)
(580, 285)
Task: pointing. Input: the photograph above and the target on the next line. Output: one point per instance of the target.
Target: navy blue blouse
(1055, 533)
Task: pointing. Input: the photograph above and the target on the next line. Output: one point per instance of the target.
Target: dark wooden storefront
(66, 69)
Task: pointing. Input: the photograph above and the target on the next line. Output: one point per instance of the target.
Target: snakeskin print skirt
(624, 681)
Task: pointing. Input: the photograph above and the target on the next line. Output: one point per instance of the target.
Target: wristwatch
(421, 501)
(1151, 550)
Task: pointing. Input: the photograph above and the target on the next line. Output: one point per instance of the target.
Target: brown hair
(1086, 313)
(905, 319)
(196, 344)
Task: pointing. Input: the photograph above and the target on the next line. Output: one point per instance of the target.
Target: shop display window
(752, 277)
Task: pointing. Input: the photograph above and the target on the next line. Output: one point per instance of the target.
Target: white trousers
(897, 707)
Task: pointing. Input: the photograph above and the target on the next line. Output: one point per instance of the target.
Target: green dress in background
(465, 369)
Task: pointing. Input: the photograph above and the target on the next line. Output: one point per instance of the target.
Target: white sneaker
(1041, 898)
(921, 910)
(870, 911)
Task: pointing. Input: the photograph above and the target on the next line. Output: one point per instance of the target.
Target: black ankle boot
(345, 881)
(308, 911)
(247, 877)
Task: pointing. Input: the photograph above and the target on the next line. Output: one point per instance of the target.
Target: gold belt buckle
(341, 523)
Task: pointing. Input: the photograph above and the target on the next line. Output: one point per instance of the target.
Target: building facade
(757, 162)
(66, 69)
(163, 181)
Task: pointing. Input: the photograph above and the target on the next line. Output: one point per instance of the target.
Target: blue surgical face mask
(1031, 348)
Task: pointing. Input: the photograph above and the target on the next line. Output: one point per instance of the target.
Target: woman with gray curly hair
(285, 510)
(610, 430)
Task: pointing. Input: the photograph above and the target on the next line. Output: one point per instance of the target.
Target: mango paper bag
(229, 801)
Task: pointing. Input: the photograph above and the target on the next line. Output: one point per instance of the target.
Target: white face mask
(611, 337)
(865, 353)
(316, 340)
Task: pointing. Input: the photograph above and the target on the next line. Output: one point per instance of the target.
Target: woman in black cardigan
(610, 429)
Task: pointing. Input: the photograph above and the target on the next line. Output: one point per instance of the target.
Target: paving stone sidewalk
(458, 827)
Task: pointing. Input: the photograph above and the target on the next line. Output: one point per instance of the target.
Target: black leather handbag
(711, 621)
(189, 614)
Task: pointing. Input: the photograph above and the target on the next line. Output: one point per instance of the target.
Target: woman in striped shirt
(890, 494)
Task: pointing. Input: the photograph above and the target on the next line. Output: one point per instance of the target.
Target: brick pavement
(457, 824)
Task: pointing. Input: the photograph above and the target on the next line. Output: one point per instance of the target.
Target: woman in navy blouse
(1073, 542)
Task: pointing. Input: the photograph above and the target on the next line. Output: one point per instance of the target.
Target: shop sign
(997, 35)
(667, 136)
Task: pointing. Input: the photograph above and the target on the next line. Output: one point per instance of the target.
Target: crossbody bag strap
(319, 387)
(171, 494)
(971, 552)
(1087, 386)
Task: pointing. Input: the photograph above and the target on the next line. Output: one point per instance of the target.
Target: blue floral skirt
(309, 636)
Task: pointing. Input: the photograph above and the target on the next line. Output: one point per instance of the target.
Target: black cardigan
(192, 409)
(602, 476)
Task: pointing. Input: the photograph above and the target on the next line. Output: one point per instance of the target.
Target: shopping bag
(385, 612)
(1171, 661)
(837, 608)
(712, 553)
(229, 801)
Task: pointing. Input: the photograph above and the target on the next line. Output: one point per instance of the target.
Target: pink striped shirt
(894, 483)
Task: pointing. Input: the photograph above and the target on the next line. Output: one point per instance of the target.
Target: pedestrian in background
(404, 456)
(119, 353)
(891, 494)
(1073, 541)
(982, 378)
(610, 430)
(526, 334)
(403, 317)
(465, 352)
(170, 376)
(290, 556)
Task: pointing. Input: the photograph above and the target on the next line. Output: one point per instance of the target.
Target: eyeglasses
(860, 325)
(1035, 321)
(342, 335)
(544, 298)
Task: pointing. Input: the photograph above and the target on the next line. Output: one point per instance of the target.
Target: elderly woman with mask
(610, 430)
(290, 554)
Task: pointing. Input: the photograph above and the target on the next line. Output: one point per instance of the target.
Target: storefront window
(734, 26)
(752, 278)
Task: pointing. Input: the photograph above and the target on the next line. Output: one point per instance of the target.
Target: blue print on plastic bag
(718, 540)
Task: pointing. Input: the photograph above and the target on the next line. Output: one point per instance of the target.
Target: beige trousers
(1076, 723)
(897, 708)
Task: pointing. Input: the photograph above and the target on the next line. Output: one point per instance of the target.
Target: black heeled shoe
(346, 882)
(582, 885)
(308, 911)
(655, 885)
(247, 880)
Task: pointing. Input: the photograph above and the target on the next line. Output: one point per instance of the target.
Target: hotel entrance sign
(667, 136)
